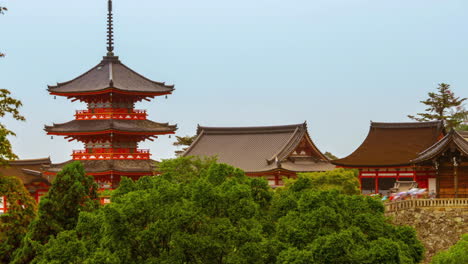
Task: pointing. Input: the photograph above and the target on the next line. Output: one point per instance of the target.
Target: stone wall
(438, 228)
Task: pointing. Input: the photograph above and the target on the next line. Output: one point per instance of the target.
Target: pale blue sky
(336, 63)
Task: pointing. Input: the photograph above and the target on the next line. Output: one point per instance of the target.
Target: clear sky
(336, 64)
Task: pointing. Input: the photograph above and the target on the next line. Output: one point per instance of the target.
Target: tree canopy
(443, 105)
(183, 141)
(454, 255)
(344, 180)
(219, 215)
(21, 211)
(71, 193)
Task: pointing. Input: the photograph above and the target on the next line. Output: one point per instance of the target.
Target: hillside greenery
(200, 211)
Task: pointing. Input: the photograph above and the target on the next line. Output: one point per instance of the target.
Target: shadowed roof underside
(139, 126)
(259, 149)
(393, 144)
(452, 140)
(110, 73)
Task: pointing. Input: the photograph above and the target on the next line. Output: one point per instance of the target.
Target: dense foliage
(329, 227)
(199, 211)
(8, 105)
(443, 105)
(21, 211)
(71, 193)
(344, 180)
(455, 255)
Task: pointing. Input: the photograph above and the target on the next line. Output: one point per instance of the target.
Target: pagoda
(110, 128)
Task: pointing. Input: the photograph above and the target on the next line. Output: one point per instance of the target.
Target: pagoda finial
(110, 31)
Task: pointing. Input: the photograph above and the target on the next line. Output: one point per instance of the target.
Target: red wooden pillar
(377, 181)
(360, 180)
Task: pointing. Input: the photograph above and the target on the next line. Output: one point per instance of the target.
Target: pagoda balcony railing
(111, 113)
(111, 153)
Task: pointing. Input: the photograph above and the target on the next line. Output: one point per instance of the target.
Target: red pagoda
(110, 127)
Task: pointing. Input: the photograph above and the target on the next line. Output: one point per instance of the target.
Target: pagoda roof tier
(117, 126)
(261, 149)
(393, 144)
(110, 75)
(106, 166)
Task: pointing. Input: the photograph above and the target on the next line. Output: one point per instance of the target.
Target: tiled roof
(111, 73)
(393, 144)
(29, 171)
(452, 139)
(77, 126)
(258, 149)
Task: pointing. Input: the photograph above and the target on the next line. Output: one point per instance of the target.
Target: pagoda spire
(110, 31)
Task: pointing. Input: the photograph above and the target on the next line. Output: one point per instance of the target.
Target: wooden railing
(419, 203)
(111, 153)
(111, 113)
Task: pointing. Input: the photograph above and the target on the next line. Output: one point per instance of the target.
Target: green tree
(212, 218)
(8, 105)
(199, 211)
(443, 105)
(21, 211)
(71, 192)
(454, 255)
(183, 141)
(344, 180)
(331, 227)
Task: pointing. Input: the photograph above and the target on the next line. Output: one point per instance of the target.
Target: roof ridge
(406, 124)
(291, 144)
(195, 142)
(248, 129)
(30, 161)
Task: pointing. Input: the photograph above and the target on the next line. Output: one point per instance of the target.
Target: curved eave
(272, 172)
(438, 125)
(110, 90)
(122, 173)
(452, 138)
(103, 132)
(353, 166)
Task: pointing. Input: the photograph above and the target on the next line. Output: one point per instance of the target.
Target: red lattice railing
(111, 113)
(111, 153)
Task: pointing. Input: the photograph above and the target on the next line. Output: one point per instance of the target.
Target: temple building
(29, 172)
(272, 152)
(449, 158)
(387, 155)
(110, 128)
